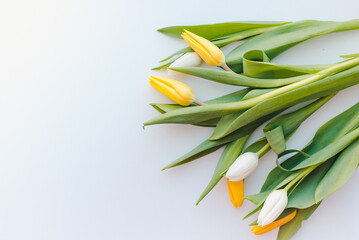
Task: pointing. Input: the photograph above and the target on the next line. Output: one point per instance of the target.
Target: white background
(75, 162)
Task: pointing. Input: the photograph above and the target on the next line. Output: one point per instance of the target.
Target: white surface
(75, 162)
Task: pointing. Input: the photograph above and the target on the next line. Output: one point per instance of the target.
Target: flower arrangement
(295, 188)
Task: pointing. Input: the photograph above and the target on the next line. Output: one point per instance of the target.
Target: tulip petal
(273, 206)
(236, 192)
(257, 230)
(209, 52)
(175, 90)
(200, 50)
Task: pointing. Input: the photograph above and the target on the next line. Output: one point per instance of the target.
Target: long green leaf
(303, 196)
(288, 230)
(218, 30)
(232, 97)
(329, 151)
(342, 169)
(257, 64)
(237, 79)
(278, 40)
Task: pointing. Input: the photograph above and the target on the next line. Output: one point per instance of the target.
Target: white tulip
(273, 207)
(242, 167)
(190, 59)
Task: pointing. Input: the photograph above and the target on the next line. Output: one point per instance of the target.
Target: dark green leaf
(303, 196)
(342, 169)
(288, 230)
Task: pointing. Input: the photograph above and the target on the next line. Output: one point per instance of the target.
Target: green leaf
(325, 134)
(237, 79)
(329, 151)
(276, 139)
(258, 198)
(229, 155)
(164, 66)
(218, 30)
(278, 40)
(350, 55)
(256, 64)
(232, 97)
(303, 196)
(342, 169)
(288, 230)
(179, 52)
(278, 130)
(226, 121)
(257, 145)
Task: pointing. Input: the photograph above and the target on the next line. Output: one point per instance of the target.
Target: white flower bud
(242, 167)
(190, 59)
(273, 207)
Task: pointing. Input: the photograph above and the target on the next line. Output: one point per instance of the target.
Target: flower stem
(198, 102)
(225, 67)
(263, 150)
(303, 173)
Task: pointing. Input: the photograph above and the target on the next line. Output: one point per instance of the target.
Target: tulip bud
(175, 90)
(209, 52)
(190, 59)
(243, 166)
(273, 206)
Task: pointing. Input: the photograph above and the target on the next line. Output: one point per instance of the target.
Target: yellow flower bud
(175, 90)
(209, 52)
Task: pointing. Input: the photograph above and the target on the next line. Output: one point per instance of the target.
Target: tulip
(244, 165)
(209, 52)
(190, 59)
(257, 230)
(273, 206)
(175, 90)
(236, 192)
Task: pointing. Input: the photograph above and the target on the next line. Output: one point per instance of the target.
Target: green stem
(225, 67)
(261, 151)
(198, 102)
(304, 173)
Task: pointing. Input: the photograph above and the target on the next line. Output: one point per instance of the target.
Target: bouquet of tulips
(295, 188)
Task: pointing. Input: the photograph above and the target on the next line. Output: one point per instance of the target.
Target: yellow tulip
(236, 192)
(209, 52)
(257, 230)
(175, 90)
